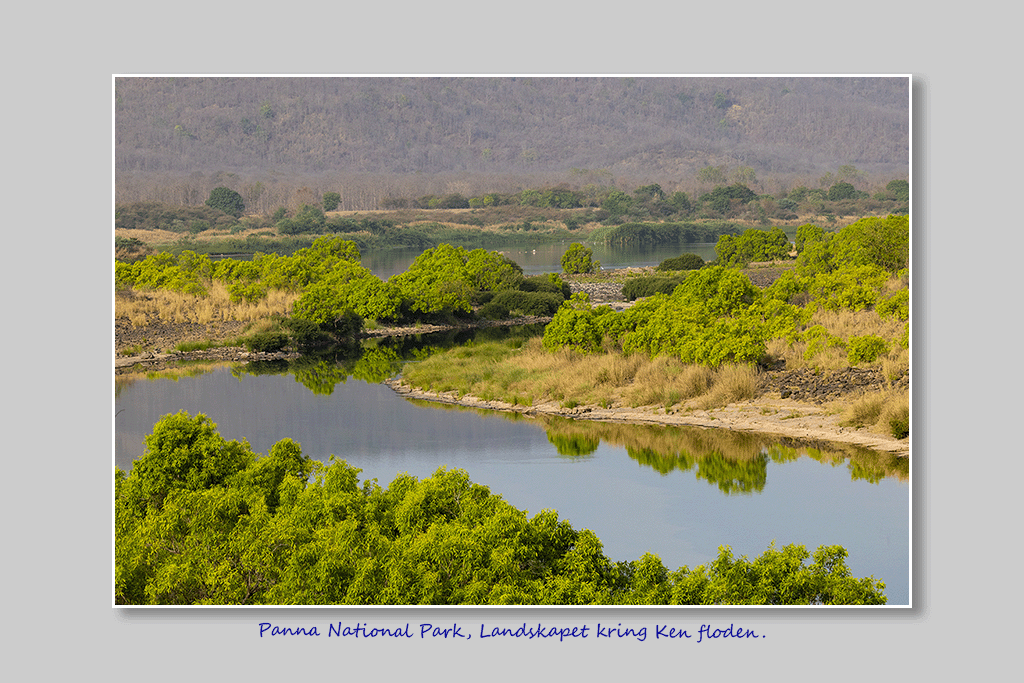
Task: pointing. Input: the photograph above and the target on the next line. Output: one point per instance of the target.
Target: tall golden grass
(148, 306)
(877, 411)
(531, 375)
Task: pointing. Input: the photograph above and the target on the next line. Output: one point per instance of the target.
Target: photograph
(512, 340)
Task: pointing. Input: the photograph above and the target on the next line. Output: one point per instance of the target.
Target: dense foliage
(333, 286)
(753, 245)
(203, 520)
(683, 262)
(715, 315)
(227, 200)
(847, 270)
(707, 316)
(579, 259)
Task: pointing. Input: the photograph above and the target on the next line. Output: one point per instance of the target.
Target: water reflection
(735, 462)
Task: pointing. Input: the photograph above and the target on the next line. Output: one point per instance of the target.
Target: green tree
(573, 326)
(711, 175)
(226, 200)
(578, 259)
(898, 190)
(331, 201)
(684, 262)
(841, 190)
(617, 203)
(873, 240)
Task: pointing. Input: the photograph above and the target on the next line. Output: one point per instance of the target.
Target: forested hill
(642, 128)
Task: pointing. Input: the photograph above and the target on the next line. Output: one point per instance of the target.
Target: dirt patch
(161, 336)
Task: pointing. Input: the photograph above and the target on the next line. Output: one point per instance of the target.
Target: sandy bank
(767, 414)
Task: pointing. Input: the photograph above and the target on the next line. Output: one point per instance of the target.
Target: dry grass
(879, 412)
(142, 308)
(732, 383)
(531, 374)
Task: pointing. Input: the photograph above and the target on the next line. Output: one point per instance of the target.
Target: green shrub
(753, 245)
(818, 339)
(331, 201)
(896, 305)
(649, 285)
(841, 190)
(493, 310)
(226, 200)
(573, 326)
(266, 342)
(898, 190)
(865, 349)
(546, 283)
(529, 303)
(250, 292)
(579, 260)
(306, 334)
(684, 262)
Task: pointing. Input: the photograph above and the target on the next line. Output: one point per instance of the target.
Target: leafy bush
(865, 349)
(331, 201)
(896, 305)
(493, 310)
(309, 219)
(266, 342)
(714, 316)
(226, 200)
(808, 233)
(444, 280)
(573, 327)
(579, 260)
(250, 292)
(306, 334)
(898, 190)
(883, 242)
(853, 288)
(841, 190)
(648, 285)
(684, 262)
(818, 339)
(529, 303)
(752, 245)
(546, 283)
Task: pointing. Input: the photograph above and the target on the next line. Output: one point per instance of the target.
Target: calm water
(547, 258)
(640, 489)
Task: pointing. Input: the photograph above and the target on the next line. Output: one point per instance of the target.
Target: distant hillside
(645, 129)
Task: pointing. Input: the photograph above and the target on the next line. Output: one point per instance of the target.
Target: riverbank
(767, 414)
(162, 337)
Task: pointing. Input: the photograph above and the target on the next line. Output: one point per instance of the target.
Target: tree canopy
(203, 520)
(226, 200)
